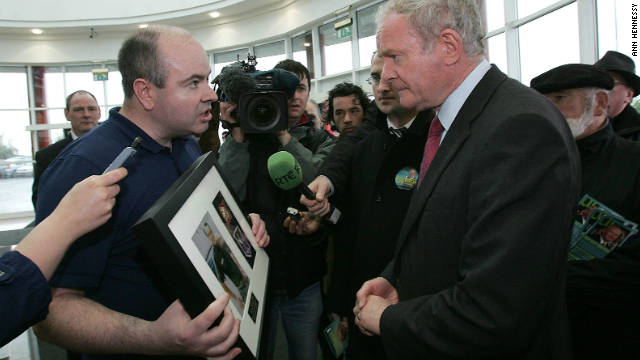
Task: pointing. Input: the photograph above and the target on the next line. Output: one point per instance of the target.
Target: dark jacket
(296, 261)
(481, 258)
(374, 192)
(373, 205)
(44, 157)
(602, 294)
(627, 124)
(611, 171)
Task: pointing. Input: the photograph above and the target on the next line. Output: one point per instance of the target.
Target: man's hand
(321, 186)
(225, 114)
(373, 297)
(259, 230)
(307, 224)
(283, 137)
(176, 333)
(368, 317)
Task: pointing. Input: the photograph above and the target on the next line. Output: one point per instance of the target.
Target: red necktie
(430, 148)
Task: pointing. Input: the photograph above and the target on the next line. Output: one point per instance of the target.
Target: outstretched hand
(321, 186)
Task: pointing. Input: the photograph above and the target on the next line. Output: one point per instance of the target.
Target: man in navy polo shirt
(104, 299)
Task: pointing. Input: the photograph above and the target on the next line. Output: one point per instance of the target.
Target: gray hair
(430, 17)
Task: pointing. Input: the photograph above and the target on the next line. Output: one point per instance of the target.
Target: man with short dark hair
(346, 107)
(480, 259)
(624, 118)
(106, 298)
(297, 261)
(373, 206)
(83, 112)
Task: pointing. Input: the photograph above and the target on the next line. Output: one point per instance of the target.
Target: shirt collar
(453, 103)
(393, 126)
(132, 130)
(73, 134)
(303, 120)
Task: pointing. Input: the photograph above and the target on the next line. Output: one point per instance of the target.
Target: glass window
(115, 94)
(494, 9)
(48, 137)
(335, 49)
(528, 7)
(367, 33)
(302, 46)
(16, 179)
(53, 84)
(13, 92)
(497, 51)
(542, 47)
(81, 78)
(614, 29)
(225, 58)
(51, 116)
(14, 136)
(268, 55)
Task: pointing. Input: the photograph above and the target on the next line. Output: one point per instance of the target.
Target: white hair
(430, 17)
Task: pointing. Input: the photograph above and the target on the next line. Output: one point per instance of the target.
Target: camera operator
(298, 261)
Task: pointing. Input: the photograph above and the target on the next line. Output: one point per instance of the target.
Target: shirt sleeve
(234, 162)
(24, 295)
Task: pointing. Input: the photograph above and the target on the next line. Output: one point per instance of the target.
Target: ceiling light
(36, 31)
(143, 26)
(214, 14)
(307, 44)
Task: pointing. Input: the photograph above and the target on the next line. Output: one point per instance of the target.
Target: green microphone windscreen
(284, 170)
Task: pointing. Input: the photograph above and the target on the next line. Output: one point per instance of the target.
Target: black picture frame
(200, 255)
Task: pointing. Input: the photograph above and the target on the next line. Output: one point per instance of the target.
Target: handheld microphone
(286, 173)
(124, 155)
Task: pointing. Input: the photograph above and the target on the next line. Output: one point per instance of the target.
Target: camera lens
(263, 111)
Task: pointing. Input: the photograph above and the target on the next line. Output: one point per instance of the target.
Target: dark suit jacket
(481, 258)
(44, 157)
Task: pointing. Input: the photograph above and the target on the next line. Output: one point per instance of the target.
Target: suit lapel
(453, 141)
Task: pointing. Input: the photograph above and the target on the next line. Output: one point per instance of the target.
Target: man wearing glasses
(624, 118)
(374, 205)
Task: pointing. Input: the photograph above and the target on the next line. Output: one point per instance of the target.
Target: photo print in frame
(202, 245)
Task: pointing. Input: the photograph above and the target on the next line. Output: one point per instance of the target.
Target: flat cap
(572, 76)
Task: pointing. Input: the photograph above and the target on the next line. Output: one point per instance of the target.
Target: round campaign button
(407, 178)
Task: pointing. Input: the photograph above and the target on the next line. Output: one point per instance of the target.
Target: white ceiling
(66, 18)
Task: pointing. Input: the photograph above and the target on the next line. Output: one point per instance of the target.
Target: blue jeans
(301, 321)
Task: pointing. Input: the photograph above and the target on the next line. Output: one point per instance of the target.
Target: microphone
(286, 173)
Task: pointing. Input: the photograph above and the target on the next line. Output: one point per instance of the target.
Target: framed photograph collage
(202, 245)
